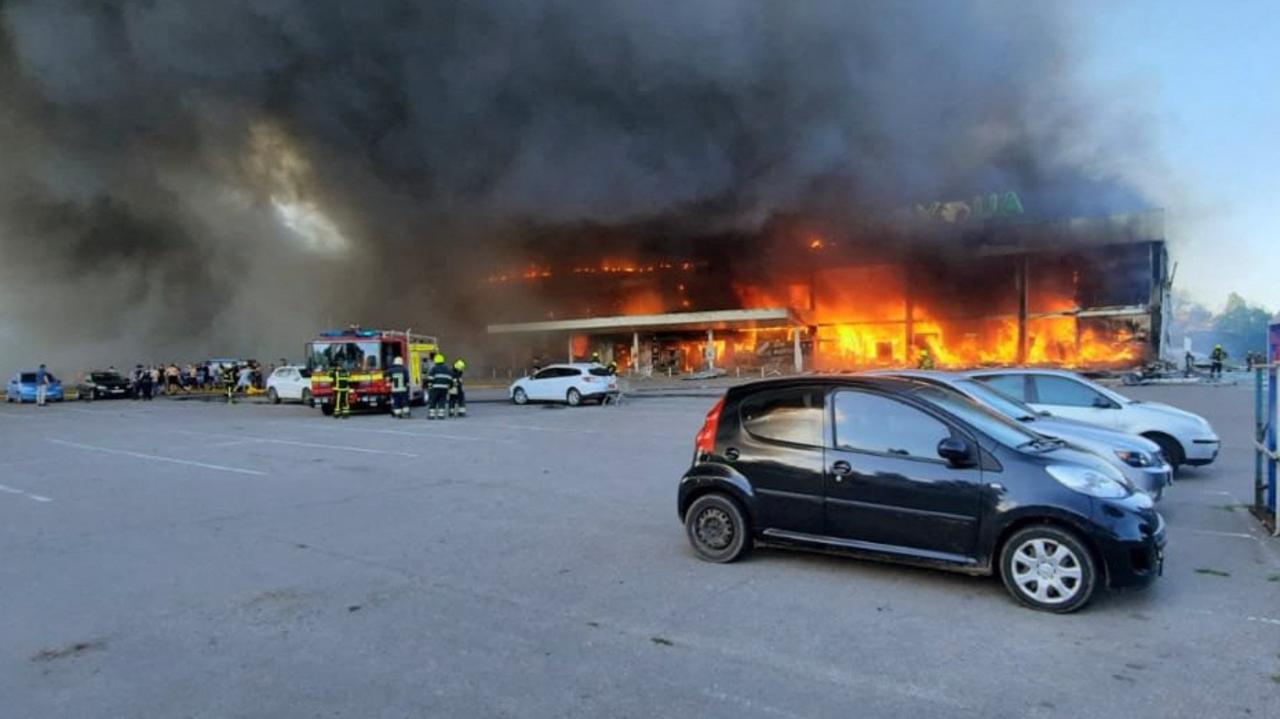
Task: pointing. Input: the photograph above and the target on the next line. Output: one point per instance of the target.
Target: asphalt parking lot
(193, 559)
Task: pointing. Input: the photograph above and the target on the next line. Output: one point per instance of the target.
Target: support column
(711, 350)
(909, 310)
(635, 353)
(570, 346)
(795, 343)
(1020, 280)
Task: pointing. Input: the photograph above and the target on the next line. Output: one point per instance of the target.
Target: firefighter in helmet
(1217, 357)
(341, 392)
(399, 377)
(229, 382)
(926, 359)
(457, 395)
(440, 381)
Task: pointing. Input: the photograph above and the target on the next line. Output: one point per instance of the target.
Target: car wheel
(327, 409)
(273, 396)
(574, 397)
(717, 529)
(1170, 448)
(306, 397)
(1049, 569)
(519, 396)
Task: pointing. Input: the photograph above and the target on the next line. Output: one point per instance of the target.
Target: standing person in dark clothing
(457, 396)
(440, 380)
(229, 382)
(1217, 357)
(399, 377)
(341, 393)
(145, 384)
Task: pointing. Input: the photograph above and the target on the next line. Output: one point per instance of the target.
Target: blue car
(22, 387)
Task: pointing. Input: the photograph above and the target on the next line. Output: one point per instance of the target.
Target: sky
(1203, 75)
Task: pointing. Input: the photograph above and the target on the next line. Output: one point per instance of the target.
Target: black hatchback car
(897, 469)
(100, 384)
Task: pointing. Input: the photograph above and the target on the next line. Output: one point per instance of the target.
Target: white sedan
(1184, 438)
(568, 383)
(289, 382)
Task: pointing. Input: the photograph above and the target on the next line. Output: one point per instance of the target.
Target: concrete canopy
(687, 321)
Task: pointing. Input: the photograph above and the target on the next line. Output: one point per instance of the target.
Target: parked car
(101, 384)
(292, 382)
(897, 469)
(22, 388)
(1140, 460)
(1184, 438)
(572, 384)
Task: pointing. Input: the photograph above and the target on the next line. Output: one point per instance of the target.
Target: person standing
(229, 382)
(42, 385)
(1217, 357)
(458, 396)
(440, 380)
(341, 393)
(145, 383)
(399, 378)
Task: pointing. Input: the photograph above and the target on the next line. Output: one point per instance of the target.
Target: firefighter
(399, 377)
(613, 368)
(1218, 355)
(229, 382)
(926, 359)
(595, 357)
(457, 395)
(341, 393)
(440, 380)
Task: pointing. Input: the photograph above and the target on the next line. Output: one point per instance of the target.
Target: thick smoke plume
(182, 180)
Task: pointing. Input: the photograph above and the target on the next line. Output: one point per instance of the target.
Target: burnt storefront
(1072, 293)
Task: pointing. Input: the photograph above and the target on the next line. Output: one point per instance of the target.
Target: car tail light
(705, 443)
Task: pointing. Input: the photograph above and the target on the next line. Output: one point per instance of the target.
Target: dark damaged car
(900, 470)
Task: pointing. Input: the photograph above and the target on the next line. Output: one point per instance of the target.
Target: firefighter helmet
(438, 359)
(459, 364)
(398, 361)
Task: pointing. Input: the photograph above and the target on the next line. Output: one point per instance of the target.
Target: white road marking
(14, 490)
(156, 457)
(425, 435)
(1264, 620)
(296, 443)
(1216, 533)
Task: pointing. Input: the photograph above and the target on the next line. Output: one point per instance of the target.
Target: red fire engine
(366, 354)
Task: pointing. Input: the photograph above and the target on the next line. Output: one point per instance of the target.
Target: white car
(568, 383)
(289, 382)
(1138, 458)
(1184, 438)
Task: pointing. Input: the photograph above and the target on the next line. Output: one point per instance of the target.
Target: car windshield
(997, 400)
(105, 377)
(989, 422)
(348, 355)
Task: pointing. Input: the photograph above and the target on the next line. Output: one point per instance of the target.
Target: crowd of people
(217, 375)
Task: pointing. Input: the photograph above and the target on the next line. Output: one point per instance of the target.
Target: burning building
(962, 284)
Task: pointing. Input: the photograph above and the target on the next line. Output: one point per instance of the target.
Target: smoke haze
(184, 180)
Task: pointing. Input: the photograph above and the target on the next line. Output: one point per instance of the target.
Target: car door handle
(731, 453)
(841, 469)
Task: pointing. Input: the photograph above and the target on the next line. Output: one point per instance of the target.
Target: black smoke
(147, 146)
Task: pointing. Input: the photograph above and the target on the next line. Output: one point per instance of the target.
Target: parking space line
(298, 443)
(14, 490)
(156, 457)
(1264, 620)
(427, 435)
(1215, 533)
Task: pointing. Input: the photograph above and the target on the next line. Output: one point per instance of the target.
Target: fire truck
(367, 354)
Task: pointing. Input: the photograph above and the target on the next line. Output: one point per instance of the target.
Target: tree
(1246, 322)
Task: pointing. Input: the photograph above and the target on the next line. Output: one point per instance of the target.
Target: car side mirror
(1103, 403)
(956, 451)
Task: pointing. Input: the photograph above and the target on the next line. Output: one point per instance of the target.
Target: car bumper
(1133, 548)
(1151, 480)
(1202, 451)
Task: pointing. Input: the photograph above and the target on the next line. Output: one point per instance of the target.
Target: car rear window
(599, 371)
(791, 415)
(28, 377)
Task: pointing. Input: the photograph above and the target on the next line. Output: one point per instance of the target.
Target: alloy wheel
(1047, 571)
